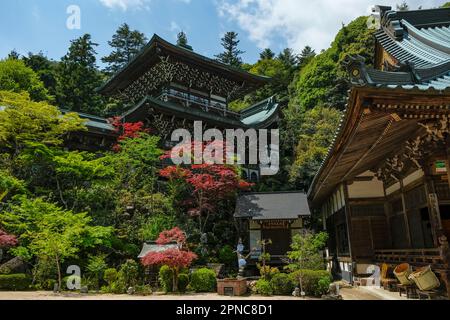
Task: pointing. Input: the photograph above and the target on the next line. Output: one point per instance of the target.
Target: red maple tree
(175, 258)
(127, 130)
(7, 240)
(207, 185)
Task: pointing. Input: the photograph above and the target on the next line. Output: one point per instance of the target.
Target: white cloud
(124, 5)
(174, 27)
(299, 22)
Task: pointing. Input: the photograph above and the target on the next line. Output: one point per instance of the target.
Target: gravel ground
(44, 295)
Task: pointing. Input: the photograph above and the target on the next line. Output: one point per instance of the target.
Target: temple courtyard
(361, 293)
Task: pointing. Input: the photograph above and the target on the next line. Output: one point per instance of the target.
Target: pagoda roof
(157, 47)
(260, 115)
(421, 37)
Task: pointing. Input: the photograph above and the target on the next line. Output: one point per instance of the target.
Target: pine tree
(231, 55)
(267, 54)
(288, 58)
(126, 44)
(13, 55)
(78, 78)
(182, 40)
(45, 68)
(305, 56)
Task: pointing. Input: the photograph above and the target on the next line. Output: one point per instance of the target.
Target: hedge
(282, 284)
(314, 282)
(15, 282)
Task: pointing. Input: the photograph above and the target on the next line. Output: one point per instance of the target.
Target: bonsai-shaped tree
(264, 258)
(175, 258)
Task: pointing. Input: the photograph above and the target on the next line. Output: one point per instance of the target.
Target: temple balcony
(190, 100)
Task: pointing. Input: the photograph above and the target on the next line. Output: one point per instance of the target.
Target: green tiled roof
(421, 37)
(260, 113)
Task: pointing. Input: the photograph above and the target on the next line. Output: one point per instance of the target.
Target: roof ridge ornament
(356, 67)
(410, 67)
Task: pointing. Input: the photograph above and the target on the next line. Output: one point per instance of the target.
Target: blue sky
(40, 25)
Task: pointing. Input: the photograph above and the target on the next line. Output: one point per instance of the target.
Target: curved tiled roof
(421, 37)
(261, 113)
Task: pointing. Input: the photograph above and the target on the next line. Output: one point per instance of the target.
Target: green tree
(13, 55)
(306, 56)
(96, 266)
(305, 251)
(266, 54)
(321, 81)
(46, 231)
(315, 135)
(305, 254)
(288, 58)
(78, 78)
(15, 76)
(231, 54)
(126, 43)
(44, 68)
(446, 5)
(24, 121)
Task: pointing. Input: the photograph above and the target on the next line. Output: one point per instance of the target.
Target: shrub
(129, 273)
(268, 272)
(282, 284)
(15, 282)
(227, 256)
(323, 285)
(314, 282)
(166, 278)
(263, 287)
(183, 281)
(110, 275)
(143, 290)
(203, 280)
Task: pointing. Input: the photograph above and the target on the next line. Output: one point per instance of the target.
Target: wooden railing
(415, 257)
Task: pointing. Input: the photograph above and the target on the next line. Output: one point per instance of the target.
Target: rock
(296, 292)
(84, 290)
(130, 291)
(15, 265)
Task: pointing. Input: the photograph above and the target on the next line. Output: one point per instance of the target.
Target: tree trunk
(59, 274)
(175, 280)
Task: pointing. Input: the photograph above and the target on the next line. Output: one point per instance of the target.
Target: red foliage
(174, 235)
(174, 258)
(208, 183)
(7, 240)
(127, 130)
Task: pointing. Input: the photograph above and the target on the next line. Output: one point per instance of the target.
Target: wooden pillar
(348, 219)
(405, 214)
(387, 214)
(448, 159)
(433, 206)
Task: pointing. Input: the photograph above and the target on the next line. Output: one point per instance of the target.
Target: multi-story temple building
(168, 87)
(384, 188)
